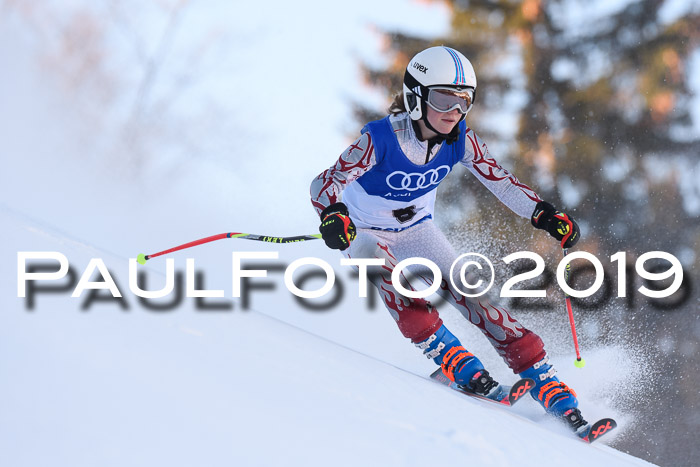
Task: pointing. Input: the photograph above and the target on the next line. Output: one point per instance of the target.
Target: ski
(587, 432)
(508, 396)
(598, 429)
(512, 394)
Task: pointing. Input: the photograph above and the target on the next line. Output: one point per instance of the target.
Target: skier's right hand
(337, 229)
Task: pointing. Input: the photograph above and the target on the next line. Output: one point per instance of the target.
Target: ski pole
(580, 362)
(141, 258)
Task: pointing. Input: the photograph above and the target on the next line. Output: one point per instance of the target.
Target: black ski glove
(560, 226)
(337, 229)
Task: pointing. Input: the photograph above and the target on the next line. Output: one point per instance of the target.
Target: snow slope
(112, 388)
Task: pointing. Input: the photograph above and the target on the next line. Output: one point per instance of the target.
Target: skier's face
(443, 122)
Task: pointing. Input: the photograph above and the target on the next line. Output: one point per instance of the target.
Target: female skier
(388, 178)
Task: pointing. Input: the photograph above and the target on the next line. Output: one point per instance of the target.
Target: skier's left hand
(560, 226)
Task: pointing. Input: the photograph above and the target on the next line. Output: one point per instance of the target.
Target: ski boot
(459, 365)
(556, 397)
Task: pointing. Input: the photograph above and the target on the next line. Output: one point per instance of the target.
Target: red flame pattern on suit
(417, 318)
(490, 170)
(502, 319)
(357, 159)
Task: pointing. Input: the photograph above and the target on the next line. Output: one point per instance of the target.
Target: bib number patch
(404, 215)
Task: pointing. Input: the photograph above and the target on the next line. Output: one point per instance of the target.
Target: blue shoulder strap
(382, 133)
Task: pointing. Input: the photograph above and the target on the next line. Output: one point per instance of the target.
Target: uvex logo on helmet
(402, 181)
(419, 67)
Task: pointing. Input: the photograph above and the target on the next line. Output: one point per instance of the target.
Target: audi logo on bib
(414, 181)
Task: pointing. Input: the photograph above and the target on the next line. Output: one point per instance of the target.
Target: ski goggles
(444, 99)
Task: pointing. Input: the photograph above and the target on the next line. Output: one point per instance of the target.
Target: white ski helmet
(436, 66)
